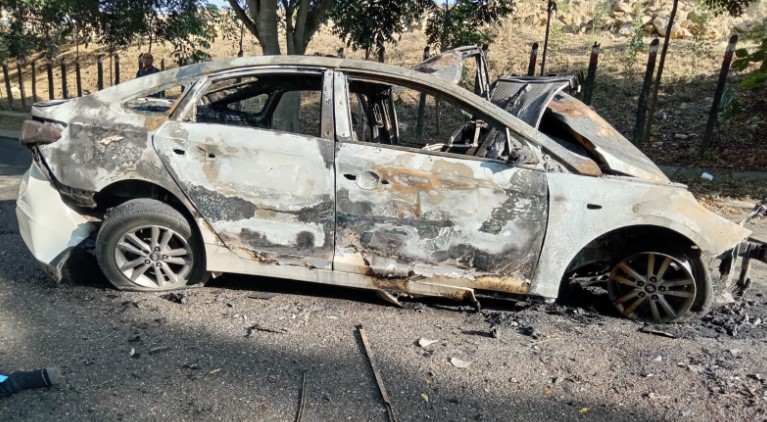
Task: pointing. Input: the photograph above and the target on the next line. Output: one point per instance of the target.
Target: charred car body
(388, 179)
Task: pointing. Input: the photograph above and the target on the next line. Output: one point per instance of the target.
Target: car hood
(603, 140)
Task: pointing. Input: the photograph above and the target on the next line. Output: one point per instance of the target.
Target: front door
(407, 211)
(269, 194)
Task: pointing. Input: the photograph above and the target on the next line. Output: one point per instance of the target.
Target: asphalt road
(237, 350)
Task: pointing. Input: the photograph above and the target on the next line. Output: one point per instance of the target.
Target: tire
(677, 289)
(146, 245)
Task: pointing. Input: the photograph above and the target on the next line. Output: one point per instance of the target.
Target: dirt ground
(238, 348)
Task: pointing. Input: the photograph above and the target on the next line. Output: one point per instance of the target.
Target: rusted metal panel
(269, 195)
(402, 214)
(597, 135)
(616, 203)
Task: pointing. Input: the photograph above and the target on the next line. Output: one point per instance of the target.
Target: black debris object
(258, 327)
(176, 297)
(493, 333)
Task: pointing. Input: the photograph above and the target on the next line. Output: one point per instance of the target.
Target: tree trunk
(302, 19)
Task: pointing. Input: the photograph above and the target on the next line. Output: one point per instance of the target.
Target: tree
(300, 18)
(383, 20)
(45, 25)
(366, 23)
(465, 22)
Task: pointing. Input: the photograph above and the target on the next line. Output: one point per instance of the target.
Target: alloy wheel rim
(154, 257)
(653, 286)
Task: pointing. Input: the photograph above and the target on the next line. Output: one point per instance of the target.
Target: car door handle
(366, 180)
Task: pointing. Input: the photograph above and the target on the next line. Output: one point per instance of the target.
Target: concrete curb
(10, 134)
(17, 114)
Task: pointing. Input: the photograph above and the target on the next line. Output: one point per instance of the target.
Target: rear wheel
(659, 287)
(146, 245)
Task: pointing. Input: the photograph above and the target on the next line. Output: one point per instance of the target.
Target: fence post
(64, 94)
(551, 8)
(7, 83)
(34, 82)
(20, 63)
(117, 69)
(162, 63)
(49, 71)
(533, 59)
(381, 52)
(646, 85)
(592, 74)
(720, 85)
(100, 72)
(78, 79)
(421, 103)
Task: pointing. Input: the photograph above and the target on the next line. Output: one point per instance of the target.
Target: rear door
(268, 193)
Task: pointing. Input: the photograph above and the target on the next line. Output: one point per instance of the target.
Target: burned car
(368, 176)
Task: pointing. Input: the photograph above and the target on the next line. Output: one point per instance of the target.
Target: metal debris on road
(158, 349)
(376, 374)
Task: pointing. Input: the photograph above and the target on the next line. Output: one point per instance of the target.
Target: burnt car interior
(252, 101)
(528, 99)
(395, 115)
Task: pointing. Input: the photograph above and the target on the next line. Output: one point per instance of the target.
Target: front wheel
(659, 287)
(146, 245)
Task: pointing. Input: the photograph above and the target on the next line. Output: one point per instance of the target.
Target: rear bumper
(49, 227)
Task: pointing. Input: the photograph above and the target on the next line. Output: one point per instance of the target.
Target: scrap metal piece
(760, 210)
(744, 251)
(388, 297)
(376, 374)
(302, 399)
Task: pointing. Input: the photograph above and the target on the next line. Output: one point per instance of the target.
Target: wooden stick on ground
(376, 374)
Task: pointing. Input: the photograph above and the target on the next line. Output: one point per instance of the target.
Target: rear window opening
(157, 102)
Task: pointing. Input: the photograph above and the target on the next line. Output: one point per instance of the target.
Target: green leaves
(465, 22)
(745, 59)
(374, 23)
(733, 7)
(117, 23)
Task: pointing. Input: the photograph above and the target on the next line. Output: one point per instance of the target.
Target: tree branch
(316, 18)
(243, 16)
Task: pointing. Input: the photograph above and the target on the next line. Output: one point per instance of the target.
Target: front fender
(583, 208)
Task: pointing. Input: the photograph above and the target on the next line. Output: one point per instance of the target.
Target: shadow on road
(14, 158)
